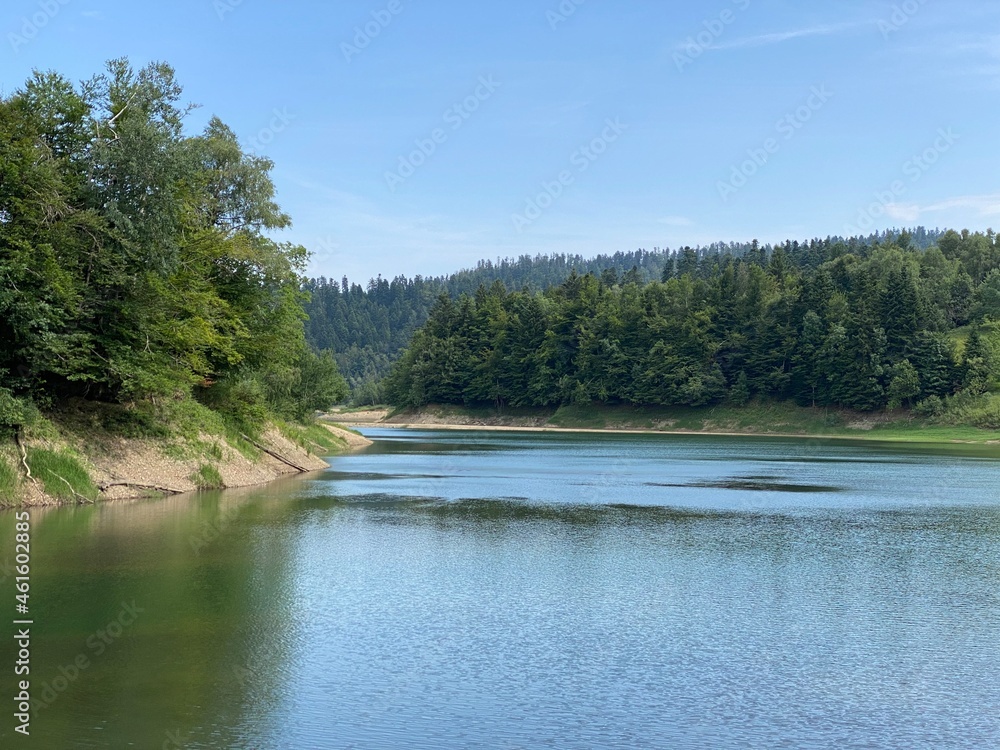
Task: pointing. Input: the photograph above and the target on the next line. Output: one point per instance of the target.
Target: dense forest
(135, 259)
(369, 326)
(861, 325)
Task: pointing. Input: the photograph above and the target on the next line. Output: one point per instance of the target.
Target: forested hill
(369, 326)
(856, 325)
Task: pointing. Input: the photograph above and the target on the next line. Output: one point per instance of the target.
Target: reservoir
(463, 589)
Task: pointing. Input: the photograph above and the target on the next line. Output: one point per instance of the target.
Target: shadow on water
(204, 647)
(753, 484)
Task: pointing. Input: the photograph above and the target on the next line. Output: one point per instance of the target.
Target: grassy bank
(753, 418)
(85, 451)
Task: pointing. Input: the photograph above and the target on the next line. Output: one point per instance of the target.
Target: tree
(136, 257)
(904, 386)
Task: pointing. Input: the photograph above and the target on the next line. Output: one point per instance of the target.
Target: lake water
(530, 590)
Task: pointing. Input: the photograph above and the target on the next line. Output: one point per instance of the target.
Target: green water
(483, 590)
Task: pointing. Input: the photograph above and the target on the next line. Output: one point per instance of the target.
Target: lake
(531, 590)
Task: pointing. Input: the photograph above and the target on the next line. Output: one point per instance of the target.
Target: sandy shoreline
(452, 426)
(132, 469)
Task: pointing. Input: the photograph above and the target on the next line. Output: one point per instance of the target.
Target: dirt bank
(125, 468)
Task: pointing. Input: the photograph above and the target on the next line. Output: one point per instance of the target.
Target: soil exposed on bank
(125, 468)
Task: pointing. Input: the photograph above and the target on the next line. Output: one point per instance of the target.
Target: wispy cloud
(763, 40)
(907, 212)
(980, 206)
(675, 221)
(984, 205)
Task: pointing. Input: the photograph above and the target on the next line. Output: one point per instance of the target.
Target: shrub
(241, 402)
(932, 407)
(208, 478)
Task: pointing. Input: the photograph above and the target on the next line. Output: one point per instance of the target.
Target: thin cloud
(763, 40)
(986, 205)
(903, 211)
(676, 221)
(981, 205)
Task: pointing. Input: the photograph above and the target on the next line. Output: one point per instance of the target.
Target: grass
(62, 474)
(208, 478)
(312, 436)
(972, 420)
(10, 483)
(754, 417)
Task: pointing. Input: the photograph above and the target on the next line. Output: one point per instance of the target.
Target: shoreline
(122, 469)
(455, 426)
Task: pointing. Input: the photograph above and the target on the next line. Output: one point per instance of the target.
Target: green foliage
(207, 477)
(137, 259)
(838, 324)
(987, 304)
(369, 327)
(932, 406)
(10, 482)
(61, 474)
(313, 437)
(739, 394)
(967, 408)
(14, 412)
(242, 402)
(904, 385)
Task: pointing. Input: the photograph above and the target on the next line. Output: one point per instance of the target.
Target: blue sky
(418, 137)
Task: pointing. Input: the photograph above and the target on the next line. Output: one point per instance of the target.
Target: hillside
(369, 326)
(867, 328)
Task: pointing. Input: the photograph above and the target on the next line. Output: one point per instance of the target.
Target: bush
(15, 412)
(241, 402)
(208, 478)
(932, 407)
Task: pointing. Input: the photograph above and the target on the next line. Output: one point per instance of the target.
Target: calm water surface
(528, 590)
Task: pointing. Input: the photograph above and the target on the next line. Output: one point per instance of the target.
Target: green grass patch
(62, 474)
(582, 416)
(967, 419)
(314, 438)
(10, 483)
(208, 478)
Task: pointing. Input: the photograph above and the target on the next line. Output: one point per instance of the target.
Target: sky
(420, 136)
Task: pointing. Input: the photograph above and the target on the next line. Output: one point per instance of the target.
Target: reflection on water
(444, 590)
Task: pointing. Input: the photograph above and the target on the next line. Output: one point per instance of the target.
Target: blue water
(529, 590)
